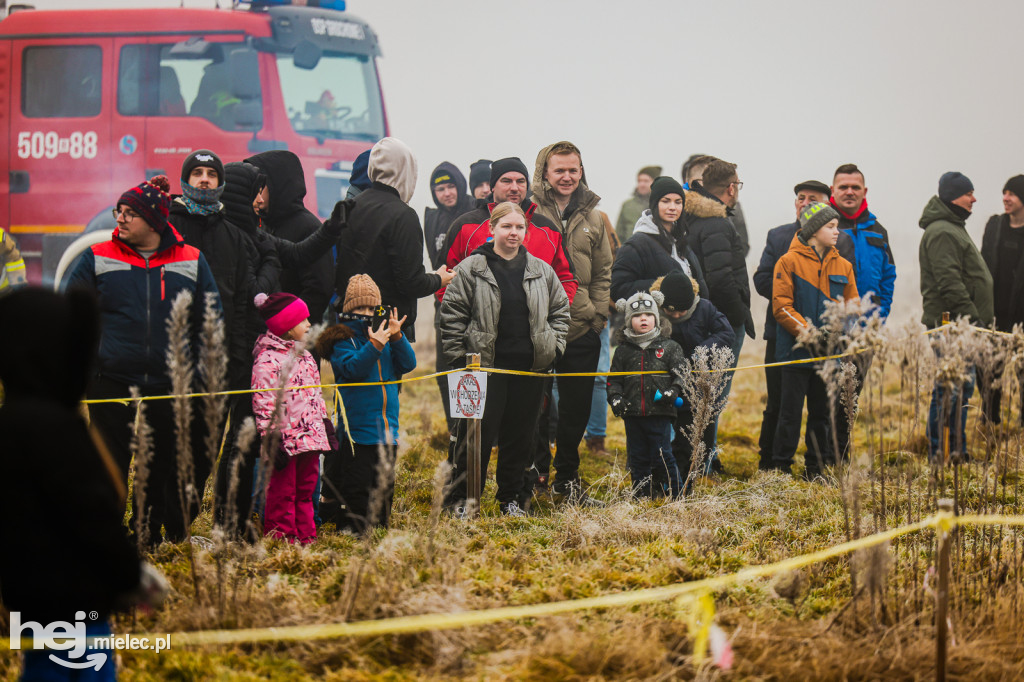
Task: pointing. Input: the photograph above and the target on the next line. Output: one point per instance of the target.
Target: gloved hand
(618, 404)
(669, 394)
(339, 216)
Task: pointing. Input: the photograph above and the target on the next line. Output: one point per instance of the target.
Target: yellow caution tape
(699, 591)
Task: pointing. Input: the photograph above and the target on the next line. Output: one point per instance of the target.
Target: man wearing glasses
(136, 277)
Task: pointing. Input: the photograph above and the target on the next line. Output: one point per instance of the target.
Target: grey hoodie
(392, 164)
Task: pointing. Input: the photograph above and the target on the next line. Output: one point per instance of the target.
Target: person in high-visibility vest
(12, 266)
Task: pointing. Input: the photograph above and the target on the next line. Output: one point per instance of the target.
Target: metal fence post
(473, 452)
(942, 595)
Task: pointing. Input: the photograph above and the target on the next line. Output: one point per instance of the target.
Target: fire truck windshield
(338, 98)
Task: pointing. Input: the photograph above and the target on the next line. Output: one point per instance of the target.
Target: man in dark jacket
(480, 178)
(199, 217)
(384, 239)
(1002, 247)
(136, 276)
(954, 280)
(776, 246)
(288, 218)
(718, 247)
(448, 190)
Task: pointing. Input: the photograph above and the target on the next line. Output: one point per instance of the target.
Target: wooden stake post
(473, 452)
(942, 596)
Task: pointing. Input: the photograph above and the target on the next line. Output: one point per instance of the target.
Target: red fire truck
(94, 101)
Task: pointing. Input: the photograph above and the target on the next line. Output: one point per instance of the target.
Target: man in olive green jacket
(561, 193)
(634, 206)
(954, 279)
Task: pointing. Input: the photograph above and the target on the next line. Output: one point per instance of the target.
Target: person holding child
(811, 273)
(296, 417)
(696, 323)
(647, 402)
(508, 306)
(363, 351)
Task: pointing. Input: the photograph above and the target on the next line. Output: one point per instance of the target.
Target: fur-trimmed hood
(700, 206)
(330, 336)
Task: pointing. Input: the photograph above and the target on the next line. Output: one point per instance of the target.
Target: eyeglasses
(645, 302)
(128, 215)
(739, 185)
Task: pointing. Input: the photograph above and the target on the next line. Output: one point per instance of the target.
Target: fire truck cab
(92, 102)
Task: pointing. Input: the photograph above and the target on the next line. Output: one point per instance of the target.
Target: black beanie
(479, 173)
(1015, 185)
(202, 157)
(662, 186)
(953, 185)
(678, 290)
(511, 164)
(441, 176)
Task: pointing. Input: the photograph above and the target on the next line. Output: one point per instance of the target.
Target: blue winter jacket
(372, 411)
(776, 246)
(875, 268)
(135, 298)
(707, 327)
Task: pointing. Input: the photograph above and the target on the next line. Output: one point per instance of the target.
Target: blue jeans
(38, 667)
(598, 424)
(649, 448)
(948, 402)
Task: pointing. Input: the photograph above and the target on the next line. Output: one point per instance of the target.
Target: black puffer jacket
(643, 259)
(436, 221)
(384, 241)
(65, 548)
(224, 246)
(290, 219)
(718, 247)
(638, 390)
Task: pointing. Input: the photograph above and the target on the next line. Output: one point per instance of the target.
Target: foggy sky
(786, 89)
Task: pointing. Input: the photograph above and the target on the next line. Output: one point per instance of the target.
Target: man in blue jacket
(874, 267)
(779, 238)
(136, 276)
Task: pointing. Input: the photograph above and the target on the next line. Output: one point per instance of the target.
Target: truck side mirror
(243, 65)
(307, 55)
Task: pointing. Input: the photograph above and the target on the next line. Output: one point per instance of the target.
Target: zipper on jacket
(643, 410)
(163, 286)
(384, 409)
(149, 324)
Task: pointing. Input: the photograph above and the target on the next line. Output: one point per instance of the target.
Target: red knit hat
(283, 312)
(151, 200)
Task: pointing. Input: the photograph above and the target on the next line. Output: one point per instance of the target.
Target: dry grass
(799, 625)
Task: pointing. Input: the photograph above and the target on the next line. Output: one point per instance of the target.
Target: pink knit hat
(283, 312)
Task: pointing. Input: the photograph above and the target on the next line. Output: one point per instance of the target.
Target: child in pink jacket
(289, 507)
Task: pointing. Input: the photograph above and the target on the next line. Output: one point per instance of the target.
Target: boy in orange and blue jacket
(811, 273)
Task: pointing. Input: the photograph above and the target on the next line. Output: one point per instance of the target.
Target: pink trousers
(289, 512)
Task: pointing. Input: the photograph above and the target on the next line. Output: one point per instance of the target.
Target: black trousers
(799, 383)
(770, 416)
(442, 382)
(162, 492)
(363, 476)
(542, 444)
(510, 415)
(574, 398)
(236, 508)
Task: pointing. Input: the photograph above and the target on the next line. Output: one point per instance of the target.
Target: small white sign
(467, 394)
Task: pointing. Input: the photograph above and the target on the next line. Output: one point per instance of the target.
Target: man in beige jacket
(561, 193)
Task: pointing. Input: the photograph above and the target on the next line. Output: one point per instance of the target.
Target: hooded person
(480, 178)
(60, 490)
(359, 180)
(384, 239)
(285, 216)
(448, 191)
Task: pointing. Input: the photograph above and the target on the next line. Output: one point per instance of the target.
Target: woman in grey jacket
(510, 307)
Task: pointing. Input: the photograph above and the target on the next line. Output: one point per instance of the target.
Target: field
(866, 617)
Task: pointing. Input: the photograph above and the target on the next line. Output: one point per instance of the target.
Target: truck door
(60, 143)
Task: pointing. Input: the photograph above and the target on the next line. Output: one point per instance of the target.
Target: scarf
(201, 201)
